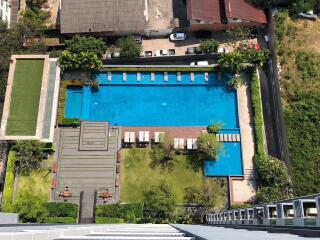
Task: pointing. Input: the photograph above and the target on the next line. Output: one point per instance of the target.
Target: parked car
(309, 15)
(115, 54)
(138, 38)
(192, 50)
(148, 53)
(199, 63)
(177, 36)
(202, 34)
(165, 52)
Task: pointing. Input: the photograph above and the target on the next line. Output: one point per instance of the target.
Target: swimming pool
(157, 102)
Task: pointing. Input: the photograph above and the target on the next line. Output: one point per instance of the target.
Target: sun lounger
(153, 77)
(146, 136)
(221, 139)
(290, 213)
(225, 137)
(132, 137)
(124, 76)
(206, 76)
(109, 76)
(189, 143)
(176, 143)
(179, 76)
(126, 137)
(138, 76)
(233, 138)
(311, 212)
(143, 136)
(181, 143)
(194, 143)
(158, 137)
(165, 76)
(192, 76)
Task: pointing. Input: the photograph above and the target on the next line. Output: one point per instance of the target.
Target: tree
(207, 144)
(29, 154)
(79, 44)
(163, 154)
(160, 200)
(236, 81)
(214, 128)
(30, 208)
(209, 46)
(129, 47)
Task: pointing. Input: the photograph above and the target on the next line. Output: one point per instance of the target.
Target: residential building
(215, 15)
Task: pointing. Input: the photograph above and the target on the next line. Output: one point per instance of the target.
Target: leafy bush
(108, 220)
(130, 48)
(79, 44)
(9, 183)
(236, 81)
(70, 122)
(65, 220)
(207, 144)
(30, 208)
(209, 46)
(120, 211)
(61, 209)
(159, 201)
(308, 64)
(163, 154)
(214, 128)
(29, 154)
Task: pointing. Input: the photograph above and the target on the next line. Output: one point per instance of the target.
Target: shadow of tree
(196, 160)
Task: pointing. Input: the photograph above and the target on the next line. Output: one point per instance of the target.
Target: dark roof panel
(81, 16)
(204, 10)
(241, 9)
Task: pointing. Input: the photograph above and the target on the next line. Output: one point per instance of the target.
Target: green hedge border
(68, 220)
(160, 69)
(9, 182)
(105, 220)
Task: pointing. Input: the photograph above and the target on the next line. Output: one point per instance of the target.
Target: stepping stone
(153, 77)
(229, 138)
(206, 76)
(234, 138)
(179, 76)
(238, 138)
(217, 138)
(138, 76)
(109, 76)
(192, 76)
(124, 76)
(166, 76)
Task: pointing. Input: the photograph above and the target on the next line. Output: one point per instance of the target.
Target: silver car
(178, 36)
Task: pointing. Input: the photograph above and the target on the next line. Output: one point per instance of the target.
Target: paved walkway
(243, 190)
(86, 170)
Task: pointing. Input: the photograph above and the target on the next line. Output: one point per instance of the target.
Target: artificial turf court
(25, 97)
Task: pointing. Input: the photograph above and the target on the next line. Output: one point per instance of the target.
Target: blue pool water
(228, 162)
(155, 103)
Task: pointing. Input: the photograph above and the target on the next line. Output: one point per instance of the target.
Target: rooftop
(79, 16)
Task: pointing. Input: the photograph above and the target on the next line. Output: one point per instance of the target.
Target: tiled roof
(241, 9)
(204, 10)
(81, 16)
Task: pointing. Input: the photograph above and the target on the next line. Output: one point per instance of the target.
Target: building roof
(241, 9)
(82, 16)
(204, 10)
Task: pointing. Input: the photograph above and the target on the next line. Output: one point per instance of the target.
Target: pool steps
(228, 137)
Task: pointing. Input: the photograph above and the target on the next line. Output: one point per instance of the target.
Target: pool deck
(242, 189)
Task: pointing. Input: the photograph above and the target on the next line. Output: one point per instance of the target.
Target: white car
(165, 52)
(199, 63)
(178, 36)
(308, 15)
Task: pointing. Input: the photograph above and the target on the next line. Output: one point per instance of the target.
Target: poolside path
(243, 189)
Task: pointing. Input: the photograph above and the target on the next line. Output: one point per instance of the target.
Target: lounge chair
(132, 137)
(194, 143)
(143, 136)
(217, 137)
(238, 138)
(229, 137)
(127, 137)
(189, 143)
(192, 76)
(179, 76)
(146, 136)
(181, 143)
(176, 143)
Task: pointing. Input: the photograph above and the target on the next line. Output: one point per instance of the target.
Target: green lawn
(137, 175)
(25, 97)
(38, 182)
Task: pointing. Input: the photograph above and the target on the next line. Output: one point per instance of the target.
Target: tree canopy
(207, 145)
(129, 47)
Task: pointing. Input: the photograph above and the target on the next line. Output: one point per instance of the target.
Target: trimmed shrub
(9, 183)
(68, 220)
(105, 220)
(61, 209)
(209, 46)
(122, 211)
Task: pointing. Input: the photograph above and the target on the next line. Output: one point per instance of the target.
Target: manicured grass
(9, 182)
(38, 181)
(137, 175)
(25, 97)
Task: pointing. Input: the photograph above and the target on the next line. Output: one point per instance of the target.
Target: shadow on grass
(195, 161)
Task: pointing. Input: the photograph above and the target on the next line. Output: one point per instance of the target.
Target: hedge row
(9, 182)
(128, 211)
(257, 115)
(106, 220)
(161, 69)
(61, 209)
(67, 220)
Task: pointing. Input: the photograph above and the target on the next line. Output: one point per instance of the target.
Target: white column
(298, 213)
(280, 214)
